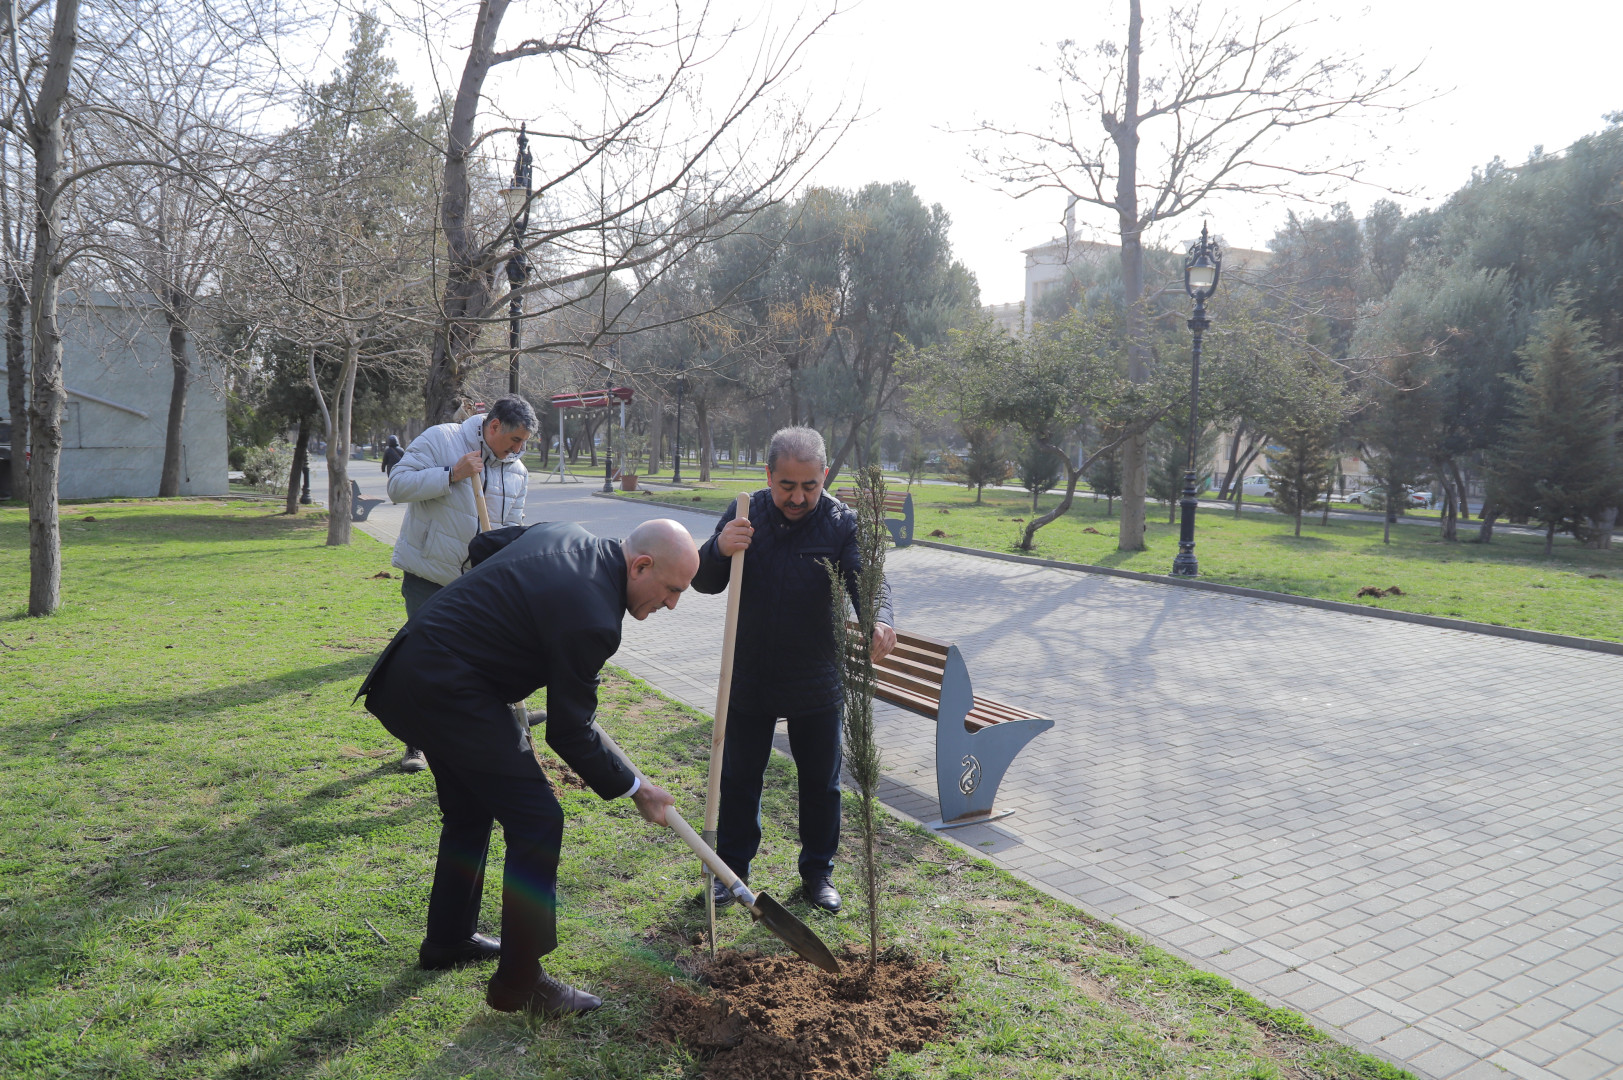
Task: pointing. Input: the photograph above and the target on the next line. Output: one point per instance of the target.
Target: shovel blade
(793, 933)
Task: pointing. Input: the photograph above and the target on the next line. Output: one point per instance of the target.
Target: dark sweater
(784, 660)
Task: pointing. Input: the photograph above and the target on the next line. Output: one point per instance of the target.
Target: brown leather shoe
(546, 996)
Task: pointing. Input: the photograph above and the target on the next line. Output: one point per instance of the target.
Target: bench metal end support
(971, 819)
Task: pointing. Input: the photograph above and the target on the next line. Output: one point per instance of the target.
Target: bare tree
(180, 123)
(1193, 109)
(16, 261)
(636, 192)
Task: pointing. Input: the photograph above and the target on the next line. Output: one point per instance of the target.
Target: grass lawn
(209, 866)
(1508, 582)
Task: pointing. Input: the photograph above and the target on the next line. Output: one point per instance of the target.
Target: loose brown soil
(779, 1018)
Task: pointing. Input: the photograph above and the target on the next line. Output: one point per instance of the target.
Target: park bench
(976, 738)
(901, 530)
(361, 508)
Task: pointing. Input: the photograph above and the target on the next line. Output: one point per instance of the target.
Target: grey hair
(513, 412)
(799, 443)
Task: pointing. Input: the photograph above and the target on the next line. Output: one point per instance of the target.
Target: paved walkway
(1405, 832)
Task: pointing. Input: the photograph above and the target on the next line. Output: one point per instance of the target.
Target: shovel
(765, 910)
(718, 734)
(479, 501)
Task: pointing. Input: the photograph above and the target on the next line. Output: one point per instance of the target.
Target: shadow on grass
(50, 940)
(183, 707)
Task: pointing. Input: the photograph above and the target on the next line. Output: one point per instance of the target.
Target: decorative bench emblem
(971, 778)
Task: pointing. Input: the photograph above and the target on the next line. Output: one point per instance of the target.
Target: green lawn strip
(1508, 582)
(209, 866)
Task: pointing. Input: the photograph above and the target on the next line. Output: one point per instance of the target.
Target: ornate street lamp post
(1200, 272)
(517, 196)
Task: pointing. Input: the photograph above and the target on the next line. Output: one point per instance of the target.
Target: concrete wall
(121, 354)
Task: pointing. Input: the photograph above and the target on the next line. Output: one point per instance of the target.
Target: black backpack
(486, 544)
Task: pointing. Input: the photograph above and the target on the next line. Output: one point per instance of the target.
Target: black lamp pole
(518, 267)
(1200, 273)
(676, 470)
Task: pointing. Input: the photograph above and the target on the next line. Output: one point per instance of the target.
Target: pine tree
(1105, 479)
(1039, 471)
(984, 464)
(1300, 471)
(1558, 464)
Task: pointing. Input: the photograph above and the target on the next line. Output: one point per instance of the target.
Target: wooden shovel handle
(724, 689)
(706, 854)
(479, 501)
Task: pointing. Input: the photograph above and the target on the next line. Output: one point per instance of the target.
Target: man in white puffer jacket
(441, 514)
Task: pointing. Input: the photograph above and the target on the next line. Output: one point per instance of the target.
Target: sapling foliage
(853, 639)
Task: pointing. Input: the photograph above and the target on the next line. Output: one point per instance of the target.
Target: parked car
(1375, 498)
(1257, 486)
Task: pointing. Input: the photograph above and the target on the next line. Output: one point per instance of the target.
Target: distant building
(1048, 265)
(116, 368)
(1012, 317)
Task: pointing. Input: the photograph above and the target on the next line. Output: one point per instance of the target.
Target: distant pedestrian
(391, 453)
(441, 515)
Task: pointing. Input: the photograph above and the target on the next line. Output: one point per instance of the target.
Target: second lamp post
(518, 267)
(1200, 272)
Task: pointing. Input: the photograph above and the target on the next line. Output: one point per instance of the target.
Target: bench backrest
(893, 502)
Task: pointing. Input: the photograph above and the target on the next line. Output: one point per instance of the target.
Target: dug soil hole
(779, 1018)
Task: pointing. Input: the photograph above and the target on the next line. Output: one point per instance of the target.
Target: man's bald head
(661, 559)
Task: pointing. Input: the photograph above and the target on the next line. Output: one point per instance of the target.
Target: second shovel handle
(479, 501)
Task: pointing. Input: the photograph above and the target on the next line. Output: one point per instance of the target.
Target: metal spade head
(794, 933)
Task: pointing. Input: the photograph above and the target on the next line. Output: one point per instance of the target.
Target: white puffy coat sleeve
(418, 476)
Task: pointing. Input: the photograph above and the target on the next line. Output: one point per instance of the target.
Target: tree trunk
(1490, 514)
(1601, 529)
(169, 479)
(45, 409)
(1123, 131)
(1329, 492)
(1465, 492)
(701, 412)
(1234, 461)
(1072, 476)
(1448, 516)
(467, 276)
(337, 425)
(301, 458)
(1549, 539)
(656, 438)
(1298, 518)
(16, 386)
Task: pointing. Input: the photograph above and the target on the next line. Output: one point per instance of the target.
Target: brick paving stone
(1582, 1065)
(1351, 811)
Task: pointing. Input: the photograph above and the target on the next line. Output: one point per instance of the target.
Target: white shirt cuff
(636, 785)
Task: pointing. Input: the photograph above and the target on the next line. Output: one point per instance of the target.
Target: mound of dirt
(779, 1018)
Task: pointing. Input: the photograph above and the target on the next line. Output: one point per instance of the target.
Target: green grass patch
(1508, 582)
(209, 866)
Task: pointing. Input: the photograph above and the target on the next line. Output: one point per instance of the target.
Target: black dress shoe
(822, 893)
(432, 957)
(545, 997)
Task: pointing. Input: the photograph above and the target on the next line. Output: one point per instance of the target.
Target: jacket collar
(617, 568)
(474, 437)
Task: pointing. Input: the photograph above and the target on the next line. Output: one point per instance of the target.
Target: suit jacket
(784, 663)
(544, 611)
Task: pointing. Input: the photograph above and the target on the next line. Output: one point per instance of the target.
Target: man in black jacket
(544, 611)
(784, 662)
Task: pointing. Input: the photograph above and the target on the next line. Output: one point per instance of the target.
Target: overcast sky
(1495, 79)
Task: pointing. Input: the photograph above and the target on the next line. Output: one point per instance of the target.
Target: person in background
(392, 453)
(441, 513)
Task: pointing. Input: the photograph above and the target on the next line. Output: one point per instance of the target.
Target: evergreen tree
(1105, 479)
(1558, 464)
(984, 463)
(1040, 469)
(1301, 469)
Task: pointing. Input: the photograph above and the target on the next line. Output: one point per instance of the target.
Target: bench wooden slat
(910, 678)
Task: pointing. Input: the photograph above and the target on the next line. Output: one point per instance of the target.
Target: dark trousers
(416, 591)
(814, 740)
(533, 823)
